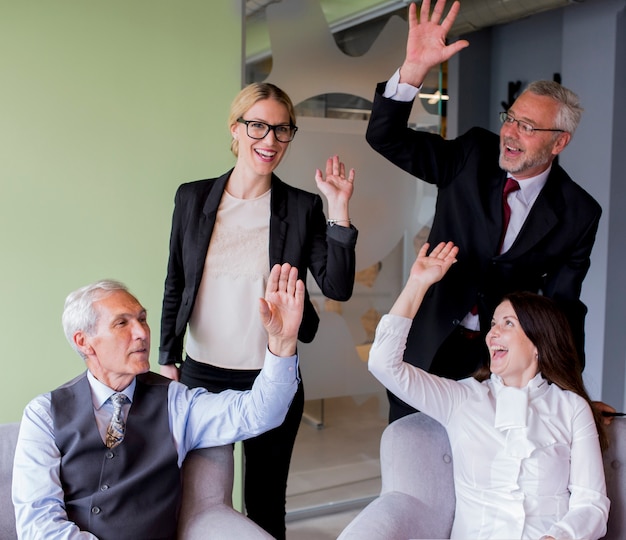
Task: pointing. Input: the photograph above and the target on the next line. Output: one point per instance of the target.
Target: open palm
(281, 308)
(432, 267)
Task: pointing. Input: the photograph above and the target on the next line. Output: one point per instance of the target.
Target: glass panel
(331, 79)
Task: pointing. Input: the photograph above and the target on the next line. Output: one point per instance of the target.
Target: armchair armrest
(417, 497)
(206, 511)
(395, 516)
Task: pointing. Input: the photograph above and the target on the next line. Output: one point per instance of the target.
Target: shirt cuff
(344, 235)
(165, 358)
(280, 369)
(398, 91)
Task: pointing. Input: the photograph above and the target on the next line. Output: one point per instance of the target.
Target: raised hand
(426, 43)
(281, 309)
(426, 270)
(429, 269)
(337, 188)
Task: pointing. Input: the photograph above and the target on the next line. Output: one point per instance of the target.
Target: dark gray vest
(129, 492)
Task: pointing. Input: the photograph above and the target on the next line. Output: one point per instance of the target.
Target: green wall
(105, 108)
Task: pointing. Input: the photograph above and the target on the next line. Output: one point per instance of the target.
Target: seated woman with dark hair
(525, 440)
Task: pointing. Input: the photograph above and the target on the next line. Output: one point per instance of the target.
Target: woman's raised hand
(337, 188)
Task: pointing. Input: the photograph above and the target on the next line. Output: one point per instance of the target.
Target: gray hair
(78, 312)
(570, 110)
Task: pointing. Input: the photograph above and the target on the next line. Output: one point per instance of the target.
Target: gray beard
(542, 158)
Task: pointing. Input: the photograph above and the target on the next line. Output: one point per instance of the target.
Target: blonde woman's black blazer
(299, 235)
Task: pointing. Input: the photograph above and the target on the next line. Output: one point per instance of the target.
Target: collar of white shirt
(512, 402)
(530, 187)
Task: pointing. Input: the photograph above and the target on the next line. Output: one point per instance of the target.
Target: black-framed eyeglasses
(523, 127)
(259, 130)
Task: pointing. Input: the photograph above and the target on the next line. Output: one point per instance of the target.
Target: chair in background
(206, 512)
(417, 496)
(8, 438)
(615, 473)
(207, 509)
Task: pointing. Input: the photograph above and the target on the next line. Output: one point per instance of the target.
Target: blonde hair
(250, 95)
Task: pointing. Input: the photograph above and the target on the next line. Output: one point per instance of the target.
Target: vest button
(109, 454)
(104, 487)
(95, 510)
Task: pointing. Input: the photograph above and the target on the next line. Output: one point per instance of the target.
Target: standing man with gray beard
(546, 246)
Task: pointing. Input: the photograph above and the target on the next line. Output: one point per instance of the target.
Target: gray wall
(615, 347)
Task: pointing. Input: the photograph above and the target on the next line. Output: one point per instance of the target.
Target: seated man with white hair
(88, 468)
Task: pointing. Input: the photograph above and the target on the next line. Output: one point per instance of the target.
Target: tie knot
(510, 186)
(118, 400)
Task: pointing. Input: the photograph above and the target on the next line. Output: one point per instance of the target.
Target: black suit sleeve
(327, 252)
(171, 348)
(427, 156)
(332, 256)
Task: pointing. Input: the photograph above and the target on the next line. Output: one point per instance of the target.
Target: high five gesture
(426, 45)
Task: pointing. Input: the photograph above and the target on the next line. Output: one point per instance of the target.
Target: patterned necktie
(117, 427)
(510, 186)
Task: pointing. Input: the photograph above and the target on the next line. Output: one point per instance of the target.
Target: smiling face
(523, 155)
(261, 156)
(513, 356)
(119, 347)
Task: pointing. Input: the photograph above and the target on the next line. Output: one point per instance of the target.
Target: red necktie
(510, 186)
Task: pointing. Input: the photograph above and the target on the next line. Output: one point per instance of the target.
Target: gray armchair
(8, 439)
(417, 495)
(206, 511)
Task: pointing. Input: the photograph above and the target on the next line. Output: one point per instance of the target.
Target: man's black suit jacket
(299, 236)
(551, 254)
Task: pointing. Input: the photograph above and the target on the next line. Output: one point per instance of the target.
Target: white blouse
(225, 329)
(527, 462)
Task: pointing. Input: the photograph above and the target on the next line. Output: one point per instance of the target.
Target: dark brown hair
(549, 331)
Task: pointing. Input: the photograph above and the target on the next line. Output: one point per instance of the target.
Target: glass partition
(330, 74)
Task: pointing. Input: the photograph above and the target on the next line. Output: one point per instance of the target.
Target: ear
(81, 340)
(561, 142)
(233, 131)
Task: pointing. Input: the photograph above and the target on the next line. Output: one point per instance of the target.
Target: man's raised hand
(281, 309)
(426, 45)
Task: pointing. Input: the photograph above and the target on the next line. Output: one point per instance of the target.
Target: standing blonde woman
(227, 233)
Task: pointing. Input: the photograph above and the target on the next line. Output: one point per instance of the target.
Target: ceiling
(474, 14)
